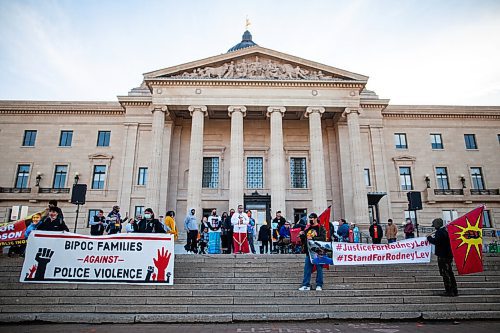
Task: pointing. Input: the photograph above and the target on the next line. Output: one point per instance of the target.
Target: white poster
(62, 257)
(408, 251)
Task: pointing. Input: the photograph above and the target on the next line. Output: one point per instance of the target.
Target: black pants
(376, 240)
(192, 240)
(264, 248)
(445, 270)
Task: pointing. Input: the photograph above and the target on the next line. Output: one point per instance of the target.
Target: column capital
(235, 108)
(159, 107)
(349, 111)
(272, 109)
(312, 109)
(202, 108)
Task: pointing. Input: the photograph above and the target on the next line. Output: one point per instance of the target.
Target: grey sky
(415, 52)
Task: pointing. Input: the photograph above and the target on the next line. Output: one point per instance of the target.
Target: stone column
(236, 179)
(154, 170)
(277, 171)
(127, 170)
(360, 201)
(198, 113)
(165, 168)
(318, 178)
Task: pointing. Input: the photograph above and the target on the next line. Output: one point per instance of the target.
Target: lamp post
(38, 178)
(77, 177)
(427, 181)
(462, 180)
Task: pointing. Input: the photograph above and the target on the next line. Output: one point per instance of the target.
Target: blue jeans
(308, 272)
(391, 240)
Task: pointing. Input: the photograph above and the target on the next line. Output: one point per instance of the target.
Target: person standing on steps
(191, 227)
(314, 232)
(441, 241)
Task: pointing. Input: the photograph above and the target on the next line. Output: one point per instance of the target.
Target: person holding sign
(149, 225)
(239, 221)
(315, 232)
(53, 222)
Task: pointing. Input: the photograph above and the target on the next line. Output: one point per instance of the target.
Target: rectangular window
(400, 140)
(449, 215)
(405, 178)
(23, 174)
(442, 178)
(470, 141)
(210, 172)
(255, 174)
(298, 172)
(139, 210)
(92, 213)
(29, 138)
(103, 138)
(487, 219)
(142, 178)
(60, 174)
(436, 141)
(66, 139)
(410, 214)
(476, 175)
(98, 177)
(368, 181)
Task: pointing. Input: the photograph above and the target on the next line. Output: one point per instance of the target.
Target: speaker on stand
(78, 198)
(414, 204)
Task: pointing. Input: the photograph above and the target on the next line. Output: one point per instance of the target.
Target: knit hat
(437, 223)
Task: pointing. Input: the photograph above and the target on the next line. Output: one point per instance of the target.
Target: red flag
(466, 238)
(324, 220)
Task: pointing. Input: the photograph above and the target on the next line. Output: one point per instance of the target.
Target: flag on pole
(324, 220)
(466, 238)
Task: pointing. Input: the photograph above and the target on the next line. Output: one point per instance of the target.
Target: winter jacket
(149, 226)
(284, 232)
(115, 221)
(280, 221)
(52, 225)
(170, 226)
(441, 240)
(97, 226)
(379, 230)
(190, 222)
(409, 228)
(343, 232)
(391, 231)
(320, 235)
(264, 234)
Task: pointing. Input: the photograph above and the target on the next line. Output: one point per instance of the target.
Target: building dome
(246, 41)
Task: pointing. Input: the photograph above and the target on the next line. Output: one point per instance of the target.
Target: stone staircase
(227, 288)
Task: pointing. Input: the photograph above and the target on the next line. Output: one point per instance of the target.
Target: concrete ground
(267, 327)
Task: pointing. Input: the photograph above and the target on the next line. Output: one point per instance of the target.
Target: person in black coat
(376, 232)
(264, 238)
(441, 241)
(227, 233)
(53, 222)
(98, 225)
(149, 224)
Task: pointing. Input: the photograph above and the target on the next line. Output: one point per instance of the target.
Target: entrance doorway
(260, 205)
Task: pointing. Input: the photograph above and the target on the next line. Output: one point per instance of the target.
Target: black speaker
(414, 200)
(78, 194)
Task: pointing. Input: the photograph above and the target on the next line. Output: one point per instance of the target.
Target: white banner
(408, 251)
(62, 257)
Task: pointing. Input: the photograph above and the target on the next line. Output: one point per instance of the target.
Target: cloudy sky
(415, 52)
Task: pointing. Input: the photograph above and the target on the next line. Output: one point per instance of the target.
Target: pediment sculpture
(257, 70)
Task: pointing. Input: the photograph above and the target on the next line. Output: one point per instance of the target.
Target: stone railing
(494, 191)
(53, 190)
(15, 190)
(450, 191)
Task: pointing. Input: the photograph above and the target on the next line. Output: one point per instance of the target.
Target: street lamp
(38, 178)
(77, 177)
(427, 180)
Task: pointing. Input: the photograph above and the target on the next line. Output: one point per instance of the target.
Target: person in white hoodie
(191, 227)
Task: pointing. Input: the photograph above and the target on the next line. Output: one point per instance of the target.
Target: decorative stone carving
(257, 70)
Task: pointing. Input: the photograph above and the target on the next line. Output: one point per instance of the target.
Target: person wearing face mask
(53, 222)
(227, 232)
(191, 227)
(314, 232)
(149, 224)
(391, 232)
(214, 230)
(239, 221)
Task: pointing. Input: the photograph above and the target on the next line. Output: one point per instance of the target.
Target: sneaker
(304, 288)
(318, 288)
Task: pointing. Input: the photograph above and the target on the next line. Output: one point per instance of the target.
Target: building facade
(256, 127)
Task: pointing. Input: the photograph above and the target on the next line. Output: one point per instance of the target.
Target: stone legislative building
(257, 127)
